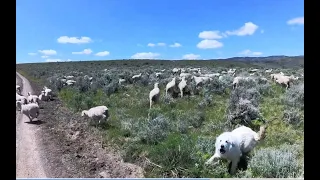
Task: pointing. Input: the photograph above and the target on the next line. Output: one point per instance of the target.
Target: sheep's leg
(30, 118)
(150, 103)
(181, 93)
(234, 165)
(213, 158)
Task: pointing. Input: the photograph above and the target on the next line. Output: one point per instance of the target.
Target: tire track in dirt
(28, 161)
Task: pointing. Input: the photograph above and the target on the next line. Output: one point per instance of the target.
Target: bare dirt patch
(74, 149)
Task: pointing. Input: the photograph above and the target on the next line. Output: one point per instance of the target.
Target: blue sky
(72, 30)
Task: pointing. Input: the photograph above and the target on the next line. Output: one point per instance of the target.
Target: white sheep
(18, 89)
(135, 77)
(253, 70)
(187, 75)
(231, 71)
(33, 98)
(285, 80)
(21, 98)
(171, 85)
(48, 92)
(69, 77)
(212, 75)
(158, 74)
(70, 82)
(232, 145)
(30, 110)
(154, 94)
(96, 113)
(201, 80)
(43, 96)
(236, 81)
(121, 81)
(176, 70)
(183, 86)
(268, 70)
(276, 76)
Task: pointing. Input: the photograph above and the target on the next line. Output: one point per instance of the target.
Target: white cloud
(250, 53)
(296, 21)
(191, 56)
(74, 40)
(53, 60)
(44, 57)
(161, 44)
(85, 51)
(175, 45)
(158, 44)
(48, 52)
(32, 54)
(247, 29)
(210, 35)
(209, 44)
(103, 53)
(145, 55)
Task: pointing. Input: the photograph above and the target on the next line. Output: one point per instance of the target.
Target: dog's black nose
(222, 146)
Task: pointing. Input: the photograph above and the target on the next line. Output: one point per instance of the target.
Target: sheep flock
(166, 119)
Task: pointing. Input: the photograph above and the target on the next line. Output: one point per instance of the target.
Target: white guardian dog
(232, 145)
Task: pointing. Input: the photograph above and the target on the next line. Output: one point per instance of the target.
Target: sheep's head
(84, 113)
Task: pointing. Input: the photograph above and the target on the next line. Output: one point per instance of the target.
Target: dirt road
(28, 161)
(63, 145)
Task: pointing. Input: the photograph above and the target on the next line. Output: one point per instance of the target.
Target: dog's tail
(261, 133)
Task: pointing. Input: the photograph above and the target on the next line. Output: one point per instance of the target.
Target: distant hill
(265, 62)
(272, 61)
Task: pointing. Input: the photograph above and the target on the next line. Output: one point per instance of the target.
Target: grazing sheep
(96, 113)
(183, 86)
(43, 96)
(231, 71)
(21, 98)
(69, 77)
(121, 81)
(171, 86)
(212, 75)
(158, 74)
(154, 94)
(33, 98)
(63, 80)
(285, 80)
(18, 89)
(187, 75)
(268, 70)
(138, 76)
(236, 81)
(70, 82)
(176, 70)
(276, 76)
(253, 70)
(30, 110)
(200, 80)
(48, 92)
(232, 145)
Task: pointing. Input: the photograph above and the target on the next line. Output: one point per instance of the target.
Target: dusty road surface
(28, 161)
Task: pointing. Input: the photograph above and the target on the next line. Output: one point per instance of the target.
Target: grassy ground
(177, 136)
(173, 152)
